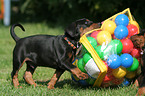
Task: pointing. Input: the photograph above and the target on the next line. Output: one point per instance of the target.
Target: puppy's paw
(50, 87)
(141, 92)
(82, 76)
(79, 74)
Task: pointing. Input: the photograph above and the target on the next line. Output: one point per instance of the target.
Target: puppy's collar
(69, 43)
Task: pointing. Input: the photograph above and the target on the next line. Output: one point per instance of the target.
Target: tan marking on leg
(15, 78)
(28, 78)
(141, 91)
(54, 79)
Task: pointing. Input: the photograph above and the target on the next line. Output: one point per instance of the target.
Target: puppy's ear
(72, 31)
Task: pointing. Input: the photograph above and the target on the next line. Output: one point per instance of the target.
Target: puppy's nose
(96, 25)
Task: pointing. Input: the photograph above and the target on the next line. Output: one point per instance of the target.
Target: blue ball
(125, 83)
(78, 81)
(83, 83)
(114, 61)
(121, 32)
(122, 19)
(126, 60)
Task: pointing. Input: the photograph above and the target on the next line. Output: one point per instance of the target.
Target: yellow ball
(130, 74)
(119, 72)
(109, 26)
(104, 36)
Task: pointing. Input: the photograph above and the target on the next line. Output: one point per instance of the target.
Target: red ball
(132, 30)
(95, 33)
(127, 45)
(135, 52)
(106, 64)
(108, 78)
(113, 36)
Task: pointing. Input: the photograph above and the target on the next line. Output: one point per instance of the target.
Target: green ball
(90, 81)
(115, 46)
(134, 66)
(86, 57)
(99, 50)
(81, 65)
(92, 41)
(106, 53)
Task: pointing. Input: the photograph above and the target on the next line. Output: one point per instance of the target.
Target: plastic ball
(134, 66)
(81, 65)
(121, 32)
(126, 60)
(114, 61)
(119, 72)
(86, 57)
(113, 36)
(125, 83)
(92, 41)
(130, 74)
(127, 45)
(107, 78)
(135, 52)
(116, 46)
(83, 82)
(99, 51)
(106, 65)
(94, 34)
(90, 81)
(132, 30)
(109, 26)
(106, 52)
(134, 23)
(104, 36)
(122, 19)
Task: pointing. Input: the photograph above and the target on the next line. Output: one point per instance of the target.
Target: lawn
(64, 87)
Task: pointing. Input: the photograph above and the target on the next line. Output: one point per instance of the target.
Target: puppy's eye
(86, 22)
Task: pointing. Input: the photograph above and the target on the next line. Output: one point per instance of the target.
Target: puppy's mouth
(136, 45)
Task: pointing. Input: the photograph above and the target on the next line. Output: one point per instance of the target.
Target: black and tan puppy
(139, 42)
(56, 52)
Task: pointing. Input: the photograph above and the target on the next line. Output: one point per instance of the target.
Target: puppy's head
(138, 40)
(76, 29)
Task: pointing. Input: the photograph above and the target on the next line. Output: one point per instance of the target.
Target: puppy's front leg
(55, 78)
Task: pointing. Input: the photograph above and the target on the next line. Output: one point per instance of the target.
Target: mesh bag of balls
(114, 47)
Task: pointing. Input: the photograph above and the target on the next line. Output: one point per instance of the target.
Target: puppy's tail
(14, 36)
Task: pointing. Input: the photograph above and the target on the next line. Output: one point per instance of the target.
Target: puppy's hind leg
(29, 73)
(17, 64)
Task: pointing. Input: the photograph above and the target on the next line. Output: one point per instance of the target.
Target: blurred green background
(63, 12)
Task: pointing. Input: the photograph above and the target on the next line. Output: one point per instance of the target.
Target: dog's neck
(72, 43)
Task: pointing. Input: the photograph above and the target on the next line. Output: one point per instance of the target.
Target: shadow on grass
(60, 84)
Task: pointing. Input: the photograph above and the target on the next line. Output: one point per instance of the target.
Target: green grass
(64, 87)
